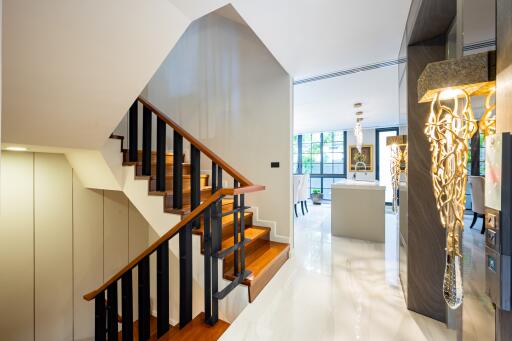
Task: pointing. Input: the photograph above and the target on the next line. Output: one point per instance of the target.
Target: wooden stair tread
(185, 191)
(264, 259)
(167, 176)
(252, 232)
(153, 163)
(152, 330)
(196, 330)
(226, 221)
(186, 210)
(170, 176)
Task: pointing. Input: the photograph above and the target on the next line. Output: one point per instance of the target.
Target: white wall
(58, 241)
(223, 86)
(73, 68)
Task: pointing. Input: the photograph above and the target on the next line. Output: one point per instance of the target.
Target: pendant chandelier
(358, 129)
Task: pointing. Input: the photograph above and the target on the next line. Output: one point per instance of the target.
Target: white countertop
(355, 184)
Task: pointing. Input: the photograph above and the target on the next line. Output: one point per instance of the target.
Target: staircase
(217, 215)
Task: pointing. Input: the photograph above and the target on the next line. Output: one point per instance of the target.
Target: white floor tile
(336, 289)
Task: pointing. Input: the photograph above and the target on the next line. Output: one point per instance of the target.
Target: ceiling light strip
(350, 71)
(480, 45)
(369, 67)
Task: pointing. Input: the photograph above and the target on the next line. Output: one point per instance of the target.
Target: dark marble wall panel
(504, 115)
(426, 242)
(429, 18)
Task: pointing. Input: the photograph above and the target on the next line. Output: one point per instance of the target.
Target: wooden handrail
(198, 144)
(171, 233)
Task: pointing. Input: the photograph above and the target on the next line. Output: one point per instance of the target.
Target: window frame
(321, 175)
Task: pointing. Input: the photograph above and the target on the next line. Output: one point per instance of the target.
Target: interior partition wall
(322, 155)
(383, 159)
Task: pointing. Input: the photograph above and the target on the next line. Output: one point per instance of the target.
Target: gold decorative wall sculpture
(448, 85)
(488, 120)
(450, 125)
(398, 146)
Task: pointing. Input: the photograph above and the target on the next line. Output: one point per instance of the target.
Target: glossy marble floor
(335, 289)
(478, 312)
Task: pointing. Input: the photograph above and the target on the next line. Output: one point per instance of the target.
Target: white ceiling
(71, 69)
(310, 38)
(328, 104)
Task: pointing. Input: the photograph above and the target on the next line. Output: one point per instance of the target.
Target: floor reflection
(478, 312)
(335, 289)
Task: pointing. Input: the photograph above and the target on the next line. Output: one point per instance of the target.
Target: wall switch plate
(274, 164)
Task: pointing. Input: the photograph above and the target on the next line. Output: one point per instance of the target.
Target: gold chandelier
(448, 85)
(398, 146)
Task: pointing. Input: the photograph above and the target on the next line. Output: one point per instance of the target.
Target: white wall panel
(222, 85)
(53, 248)
(116, 232)
(87, 254)
(16, 247)
(138, 229)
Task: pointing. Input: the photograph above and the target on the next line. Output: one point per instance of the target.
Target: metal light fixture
(358, 133)
(448, 85)
(398, 145)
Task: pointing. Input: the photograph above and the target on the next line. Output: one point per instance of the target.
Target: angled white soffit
(72, 68)
(195, 9)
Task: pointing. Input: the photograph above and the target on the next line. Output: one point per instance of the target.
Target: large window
(322, 155)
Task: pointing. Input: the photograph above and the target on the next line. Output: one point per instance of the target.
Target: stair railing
(209, 213)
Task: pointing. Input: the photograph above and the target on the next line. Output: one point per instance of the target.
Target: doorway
(383, 160)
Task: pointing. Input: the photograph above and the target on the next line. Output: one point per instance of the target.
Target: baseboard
(171, 321)
(274, 236)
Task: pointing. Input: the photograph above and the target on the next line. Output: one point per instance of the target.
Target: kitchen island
(358, 210)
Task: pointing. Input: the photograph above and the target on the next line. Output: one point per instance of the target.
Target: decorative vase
(317, 198)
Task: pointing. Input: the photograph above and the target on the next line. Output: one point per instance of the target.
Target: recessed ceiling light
(16, 149)
(358, 105)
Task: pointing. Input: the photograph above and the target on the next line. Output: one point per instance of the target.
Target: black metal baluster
(177, 188)
(242, 234)
(144, 300)
(219, 177)
(207, 266)
(216, 244)
(195, 178)
(100, 327)
(160, 155)
(112, 311)
(214, 177)
(185, 240)
(133, 132)
(146, 141)
(127, 306)
(162, 289)
(235, 229)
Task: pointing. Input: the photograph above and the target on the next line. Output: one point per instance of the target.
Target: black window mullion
(345, 152)
(321, 162)
(299, 154)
